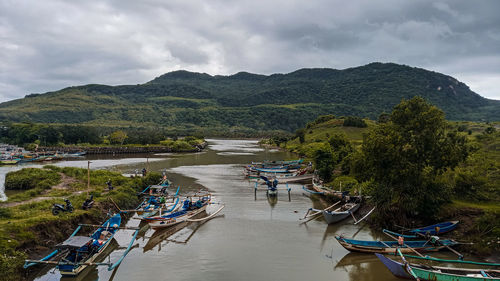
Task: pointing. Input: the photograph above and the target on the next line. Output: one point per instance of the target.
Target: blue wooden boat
(436, 229)
(78, 252)
(389, 247)
(396, 268)
(436, 273)
(189, 209)
(275, 170)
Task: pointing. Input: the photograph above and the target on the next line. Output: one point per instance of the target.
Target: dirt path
(64, 184)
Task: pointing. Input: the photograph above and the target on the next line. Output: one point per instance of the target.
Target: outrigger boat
(78, 252)
(150, 206)
(436, 273)
(278, 163)
(434, 229)
(389, 247)
(160, 189)
(350, 204)
(188, 211)
(343, 212)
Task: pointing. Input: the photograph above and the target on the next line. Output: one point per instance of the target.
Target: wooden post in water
(255, 190)
(88, 176)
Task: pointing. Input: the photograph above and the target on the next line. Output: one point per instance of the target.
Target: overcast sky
(48, 45)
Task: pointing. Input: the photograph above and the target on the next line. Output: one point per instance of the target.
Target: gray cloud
(49, 45)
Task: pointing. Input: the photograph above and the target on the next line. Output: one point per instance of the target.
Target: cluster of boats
(158, 209)
(283, 171)
(12, 155)
(409, 241)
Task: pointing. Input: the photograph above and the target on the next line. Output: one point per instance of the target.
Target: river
(255, 239)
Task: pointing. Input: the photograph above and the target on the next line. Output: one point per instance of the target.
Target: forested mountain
(245, 101)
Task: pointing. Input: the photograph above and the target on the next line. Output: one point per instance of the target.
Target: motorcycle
(88, 203)
(56, 208)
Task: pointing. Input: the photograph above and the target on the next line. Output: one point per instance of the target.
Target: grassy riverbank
(28, 228)
(469, 191)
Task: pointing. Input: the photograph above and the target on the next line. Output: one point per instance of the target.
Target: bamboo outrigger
(78, 252)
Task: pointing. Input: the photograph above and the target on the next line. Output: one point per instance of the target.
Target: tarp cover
(75, 242)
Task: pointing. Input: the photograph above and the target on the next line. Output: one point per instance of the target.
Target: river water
(255, 239)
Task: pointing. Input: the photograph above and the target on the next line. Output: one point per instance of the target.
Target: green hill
(249, 102)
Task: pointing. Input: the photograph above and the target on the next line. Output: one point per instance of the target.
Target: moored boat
(78, 252)
(436, 229)
(189, 210)
(343, 211)
(389, 247)
(437, 273)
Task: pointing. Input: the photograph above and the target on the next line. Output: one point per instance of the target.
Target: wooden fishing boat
(436, 229)
(279, 163)
(87, 249)
(290, 178)
(437, 273)
(78, 252)
(189, 210)
(9, 161)
(272, 186)
(160, 189)
(151, 205)
(342, 212)
(316, 188)
(164, 208)
(389, 247)
(276, 170)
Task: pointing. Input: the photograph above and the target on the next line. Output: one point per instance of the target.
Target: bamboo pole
(116, 205)
(120, 227)
(315, 215)
(206, 218)
(88, 177)
(365, 216)
(58, 262)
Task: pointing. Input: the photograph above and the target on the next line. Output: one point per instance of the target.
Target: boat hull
(390, 247)
(333, 217)
(396, 268)
(436, 273)
(431, 229)
(164, 223)
(76, 270)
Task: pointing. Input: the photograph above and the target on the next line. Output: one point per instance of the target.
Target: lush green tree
(118, 137)
(323, 159)
(383, 117)
(353, 121)
(301, 134)
(341, 150)
(405, 156)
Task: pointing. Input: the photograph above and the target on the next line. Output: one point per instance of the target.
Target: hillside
(245, 101)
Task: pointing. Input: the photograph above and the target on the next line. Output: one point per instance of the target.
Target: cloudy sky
(48, 45)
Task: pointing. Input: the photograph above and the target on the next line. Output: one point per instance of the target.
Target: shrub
(352, 121)
(29, 178)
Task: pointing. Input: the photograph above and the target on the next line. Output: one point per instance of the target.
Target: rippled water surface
(255, 239)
